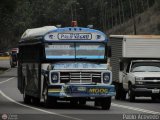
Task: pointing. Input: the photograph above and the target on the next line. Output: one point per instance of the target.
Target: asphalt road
(12, 106)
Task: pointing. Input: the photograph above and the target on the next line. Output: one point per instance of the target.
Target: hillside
(147, 22)
(18, 15)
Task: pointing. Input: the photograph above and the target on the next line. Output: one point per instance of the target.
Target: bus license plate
(98, 90)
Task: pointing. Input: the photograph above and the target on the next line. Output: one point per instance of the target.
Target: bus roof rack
(37, 31)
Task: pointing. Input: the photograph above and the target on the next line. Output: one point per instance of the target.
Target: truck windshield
(145, 67)
(75, 51)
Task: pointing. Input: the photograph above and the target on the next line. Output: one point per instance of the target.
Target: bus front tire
(105, 103)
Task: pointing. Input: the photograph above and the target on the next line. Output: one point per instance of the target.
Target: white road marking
(135, 109)
(48, 112)
(34, 108)
(7, 80)
(8, 70)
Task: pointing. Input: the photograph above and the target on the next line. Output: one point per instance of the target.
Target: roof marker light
(74, 24)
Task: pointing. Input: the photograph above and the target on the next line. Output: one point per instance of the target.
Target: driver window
(128, 66)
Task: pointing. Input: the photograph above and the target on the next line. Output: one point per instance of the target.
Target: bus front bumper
(71, 90)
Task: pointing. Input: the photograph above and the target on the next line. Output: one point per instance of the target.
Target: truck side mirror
(121, 66)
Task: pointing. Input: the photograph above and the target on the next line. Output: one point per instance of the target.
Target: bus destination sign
(74, 36)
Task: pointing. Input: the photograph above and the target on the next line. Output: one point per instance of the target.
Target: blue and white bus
(64, 64)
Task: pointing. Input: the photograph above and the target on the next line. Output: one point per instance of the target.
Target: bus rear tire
(26, 98)
(35, 100)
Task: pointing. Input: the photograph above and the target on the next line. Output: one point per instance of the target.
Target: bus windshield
(75, 51)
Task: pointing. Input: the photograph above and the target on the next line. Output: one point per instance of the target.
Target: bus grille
(80, 77)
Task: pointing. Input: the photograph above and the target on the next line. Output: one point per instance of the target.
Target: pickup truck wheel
(106, 103)
(131, 94)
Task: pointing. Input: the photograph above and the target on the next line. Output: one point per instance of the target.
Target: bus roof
(34, 32)
(66, 34)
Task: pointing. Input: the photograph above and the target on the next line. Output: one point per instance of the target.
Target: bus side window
(31, 53)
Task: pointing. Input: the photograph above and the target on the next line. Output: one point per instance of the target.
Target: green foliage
(18, 15)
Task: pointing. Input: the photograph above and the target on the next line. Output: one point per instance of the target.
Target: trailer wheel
(26, 98)
(131, 94)
(106, 103)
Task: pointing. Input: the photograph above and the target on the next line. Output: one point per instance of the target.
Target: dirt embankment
(147, 22)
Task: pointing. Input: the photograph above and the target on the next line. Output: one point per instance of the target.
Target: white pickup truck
(142, 79)
(136, 66)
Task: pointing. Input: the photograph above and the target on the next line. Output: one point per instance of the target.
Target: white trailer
(135, 63)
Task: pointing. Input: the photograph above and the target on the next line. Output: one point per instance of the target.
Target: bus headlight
(106, 77)
(54, 77)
